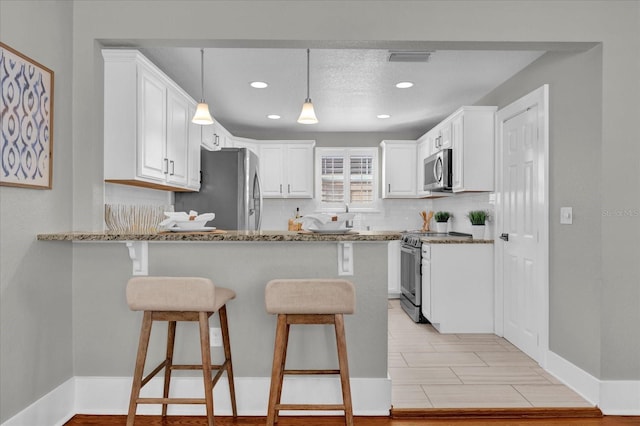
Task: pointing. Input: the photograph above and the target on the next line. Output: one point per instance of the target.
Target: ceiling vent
(409, 56)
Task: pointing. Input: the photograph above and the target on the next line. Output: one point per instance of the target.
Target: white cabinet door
(399, 169)
(457, 138)
(426, 290)
(299, 167)
(272, 170)
(178, 120)
(423, 152)
(195, 142)
(462, 298)
(152, 159)
(393, 269)
(147, 126)
(286, 169)
(472, 135)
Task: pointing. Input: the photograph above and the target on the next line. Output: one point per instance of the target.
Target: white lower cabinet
(458, 288)
(393, 268)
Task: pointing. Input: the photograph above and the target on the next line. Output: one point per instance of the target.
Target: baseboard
(613, 397)
(53, 409)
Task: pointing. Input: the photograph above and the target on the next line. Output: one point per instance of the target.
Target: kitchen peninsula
(106, 331)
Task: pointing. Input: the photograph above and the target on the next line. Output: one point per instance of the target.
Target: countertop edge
(246, 236)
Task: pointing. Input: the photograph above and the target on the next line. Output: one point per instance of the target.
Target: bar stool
(179, 299)
(309, 301)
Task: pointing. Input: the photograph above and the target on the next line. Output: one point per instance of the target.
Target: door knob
(504, 237)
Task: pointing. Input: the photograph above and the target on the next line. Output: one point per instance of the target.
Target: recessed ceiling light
(404, 85)
(383, 116)
(273, 117)
(258, 84)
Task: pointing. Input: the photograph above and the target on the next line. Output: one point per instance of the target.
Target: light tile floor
(433, 370)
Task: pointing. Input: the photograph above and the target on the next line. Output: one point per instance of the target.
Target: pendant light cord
(202, 75)
(308, 75)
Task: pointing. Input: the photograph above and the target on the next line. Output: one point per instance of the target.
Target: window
(347, 176)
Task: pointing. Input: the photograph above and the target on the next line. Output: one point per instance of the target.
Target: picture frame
(26, 121)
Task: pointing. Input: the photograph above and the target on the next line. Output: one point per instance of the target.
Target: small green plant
(442, 216)
(477, 217)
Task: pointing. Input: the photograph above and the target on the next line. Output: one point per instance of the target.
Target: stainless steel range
(411, 270)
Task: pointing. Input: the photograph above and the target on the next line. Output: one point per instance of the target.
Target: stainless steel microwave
(438, 174)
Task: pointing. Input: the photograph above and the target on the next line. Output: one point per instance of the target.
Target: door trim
(539, 97)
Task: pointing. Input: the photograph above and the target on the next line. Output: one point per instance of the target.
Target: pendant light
(202, 115)
(307, 115)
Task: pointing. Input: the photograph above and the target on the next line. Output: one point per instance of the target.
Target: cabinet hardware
(173, 168)
(288, 188)
(504, 237)
(389, 188)
(166, 166)
(281, 188)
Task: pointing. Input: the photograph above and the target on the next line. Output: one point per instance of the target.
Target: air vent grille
(409, 56)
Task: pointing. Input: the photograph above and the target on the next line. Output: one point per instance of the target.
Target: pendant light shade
(202, 115)
(307, 115)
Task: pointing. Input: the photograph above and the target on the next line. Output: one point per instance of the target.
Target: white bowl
(191, 224)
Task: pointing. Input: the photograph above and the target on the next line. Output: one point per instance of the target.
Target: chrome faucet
(348, 223)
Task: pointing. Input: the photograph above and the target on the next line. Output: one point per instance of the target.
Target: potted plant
(478, 219)
(441, 220)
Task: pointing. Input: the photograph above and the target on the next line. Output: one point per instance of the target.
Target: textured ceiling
(348, 87)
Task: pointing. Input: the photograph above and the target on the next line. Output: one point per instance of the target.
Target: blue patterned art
(26, 117)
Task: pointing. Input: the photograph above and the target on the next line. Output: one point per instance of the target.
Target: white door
(523, 219)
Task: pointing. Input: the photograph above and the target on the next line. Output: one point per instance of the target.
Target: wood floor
(89, 420)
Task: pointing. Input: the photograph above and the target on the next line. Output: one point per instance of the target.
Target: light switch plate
(566, 215)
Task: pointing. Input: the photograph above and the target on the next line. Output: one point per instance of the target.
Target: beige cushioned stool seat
(310, 296)
(176, 294)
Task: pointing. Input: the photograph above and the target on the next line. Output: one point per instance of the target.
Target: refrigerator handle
(259, 215)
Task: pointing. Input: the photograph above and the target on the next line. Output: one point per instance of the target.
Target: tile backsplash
(390, 214)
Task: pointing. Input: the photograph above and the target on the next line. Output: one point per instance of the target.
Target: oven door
(410, 278)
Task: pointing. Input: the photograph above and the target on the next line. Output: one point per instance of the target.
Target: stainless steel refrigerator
(229, 187)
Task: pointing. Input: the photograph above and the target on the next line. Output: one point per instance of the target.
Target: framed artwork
(26, 119)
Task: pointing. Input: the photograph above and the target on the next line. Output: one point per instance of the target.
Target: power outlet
(215, 336)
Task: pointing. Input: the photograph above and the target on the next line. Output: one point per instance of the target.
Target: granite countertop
(450, 239)
(219, 235)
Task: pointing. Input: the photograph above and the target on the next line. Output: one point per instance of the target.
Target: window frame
(346, 153)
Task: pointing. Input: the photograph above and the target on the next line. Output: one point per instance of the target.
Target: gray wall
(575, 129)
(29, 334)
(106, 332)
(35, 278)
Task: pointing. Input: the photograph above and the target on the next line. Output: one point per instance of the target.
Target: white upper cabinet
(286, 168)
(472, 135)
(399, 164)
(215, 137)
(424, 150)
(236, 142)
(148, 137)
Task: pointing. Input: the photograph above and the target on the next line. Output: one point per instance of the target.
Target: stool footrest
(311, 372)
(195, 367)
(301, 407)
(170, 401)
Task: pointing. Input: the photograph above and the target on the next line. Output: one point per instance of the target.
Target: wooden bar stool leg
(277, 370)
(171, 339)
(206, 365)
(224, 326)
(284, 363)
(344, 369)
(145, 333)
